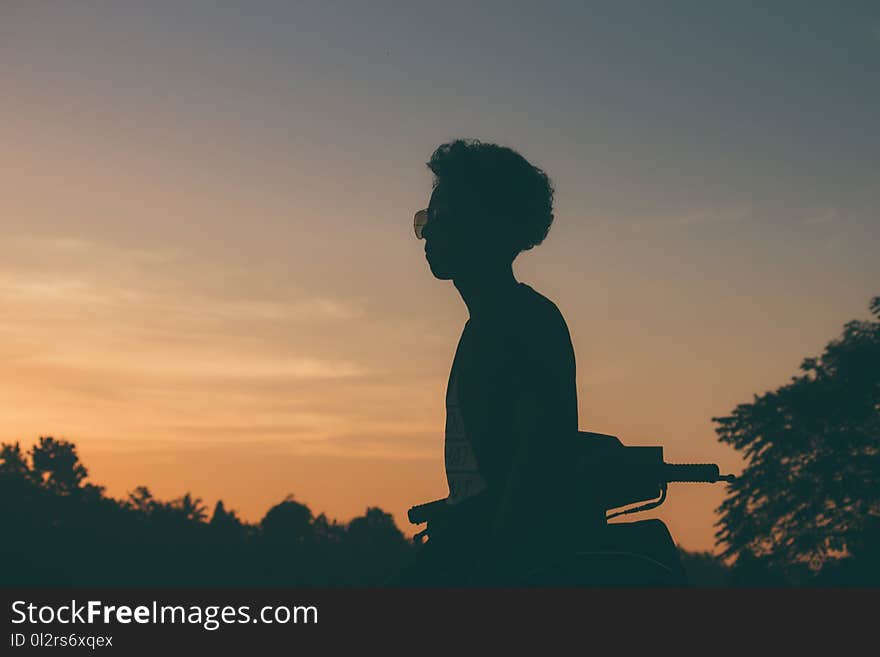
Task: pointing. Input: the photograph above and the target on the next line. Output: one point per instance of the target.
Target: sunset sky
(208, 276)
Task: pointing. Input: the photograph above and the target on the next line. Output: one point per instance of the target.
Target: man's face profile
(456, 243)
(443, 242)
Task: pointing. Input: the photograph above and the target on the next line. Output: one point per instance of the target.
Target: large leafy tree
(809, 496)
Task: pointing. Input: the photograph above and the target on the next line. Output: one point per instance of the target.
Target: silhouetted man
(511, 401)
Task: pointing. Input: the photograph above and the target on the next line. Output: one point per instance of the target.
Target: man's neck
(482, 290)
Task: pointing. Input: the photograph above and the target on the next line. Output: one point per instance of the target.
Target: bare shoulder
(543, 329)
(540, 312)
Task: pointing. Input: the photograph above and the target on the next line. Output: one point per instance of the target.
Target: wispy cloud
(49, 290)
(272, 309)
(203, 365)
(71, 270)
(70, 245)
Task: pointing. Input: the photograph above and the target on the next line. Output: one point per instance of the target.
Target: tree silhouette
(375, 530)
(288, 523)
(226, 522)
(809, 498)
(190, 508)
(56, 464)
(141, 500)
(375, 536)
(13, 461)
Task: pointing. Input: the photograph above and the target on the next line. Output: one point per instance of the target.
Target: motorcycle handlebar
(693, 472)
(424, 512)
(667, 473)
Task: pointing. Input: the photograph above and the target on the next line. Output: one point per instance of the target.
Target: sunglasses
(420, 220)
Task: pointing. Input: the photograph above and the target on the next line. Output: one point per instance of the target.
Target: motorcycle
(613, 480)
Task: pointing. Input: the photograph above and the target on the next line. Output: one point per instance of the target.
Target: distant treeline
(59, 530)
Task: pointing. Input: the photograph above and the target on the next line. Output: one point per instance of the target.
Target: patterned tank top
(462, 470)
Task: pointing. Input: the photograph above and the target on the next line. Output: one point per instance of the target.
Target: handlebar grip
(691, 472)
(425, 512)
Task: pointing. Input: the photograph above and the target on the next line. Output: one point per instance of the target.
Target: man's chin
(439, 272)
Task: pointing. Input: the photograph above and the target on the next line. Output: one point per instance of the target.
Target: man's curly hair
(493, 183)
